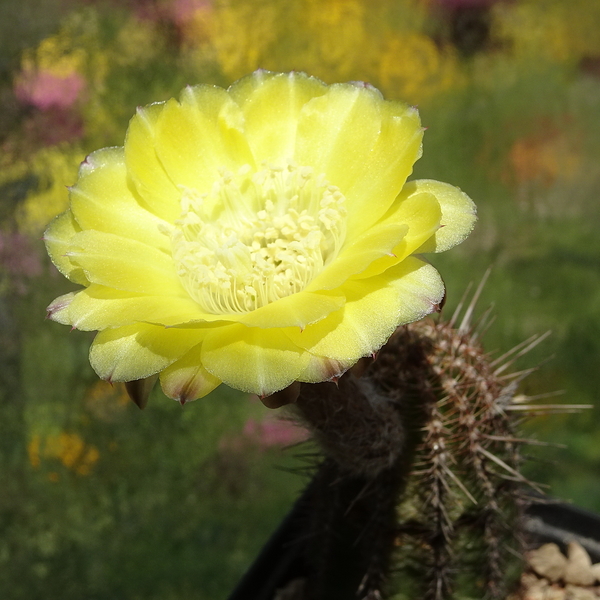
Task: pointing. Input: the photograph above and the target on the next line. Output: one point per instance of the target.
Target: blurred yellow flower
(54, 168)
(253, 236)
(238, 47)
(335, 53)
(412, 67)
(76, 50)
(107, 402)
(68, 448)
(57, 55)
(51, 75)
(553, 30)
(138, 43)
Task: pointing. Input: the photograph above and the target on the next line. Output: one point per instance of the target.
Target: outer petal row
(264, 361)
(140, 350)
(124, 264)
(260, 361)
(186, 379)
(374, 308)
(459, 214)
(99, 307)
(439, 216)
(57, 237)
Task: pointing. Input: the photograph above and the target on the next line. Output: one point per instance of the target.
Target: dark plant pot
(282, 558)
(554, 521)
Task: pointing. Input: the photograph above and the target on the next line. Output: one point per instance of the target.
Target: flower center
(257, 236)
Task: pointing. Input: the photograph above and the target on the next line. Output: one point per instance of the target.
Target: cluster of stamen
(257, 236)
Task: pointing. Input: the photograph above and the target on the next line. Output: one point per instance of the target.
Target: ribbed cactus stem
(421, 471)
(368, 444)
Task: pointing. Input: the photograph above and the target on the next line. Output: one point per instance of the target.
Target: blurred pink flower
(274, 432)
(179, 12)
(182, 11)
(44, 89)
(268, 433)
(461, 4)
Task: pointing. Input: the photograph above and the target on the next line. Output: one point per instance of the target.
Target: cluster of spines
(462, 484)
(453, 462)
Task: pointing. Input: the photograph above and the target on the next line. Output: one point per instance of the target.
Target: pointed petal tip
(139, 390)
(438, 307)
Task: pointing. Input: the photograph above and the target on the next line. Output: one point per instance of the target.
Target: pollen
(257, 236)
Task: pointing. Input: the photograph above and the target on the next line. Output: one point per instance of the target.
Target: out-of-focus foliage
(102, 501)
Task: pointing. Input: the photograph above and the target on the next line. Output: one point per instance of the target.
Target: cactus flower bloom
(255, 236)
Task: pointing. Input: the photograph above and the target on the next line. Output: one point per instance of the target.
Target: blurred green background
(99, 500)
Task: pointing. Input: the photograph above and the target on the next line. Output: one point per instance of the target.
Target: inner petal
(258, 236)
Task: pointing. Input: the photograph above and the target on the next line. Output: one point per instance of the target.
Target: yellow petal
(98, 307)
(200, 136)
(103, 200)
(186, 379)
(58, 237)
(390, 163)
(264, 97)
(139, 350)
(297, 310)
(356, 256)
(125, 264)
(322, 368)
(254, 360)
(337, 132)
(459, 214)
(421, 212)
(374, 308)
(366, 146)
(158, 192)
(59, 309)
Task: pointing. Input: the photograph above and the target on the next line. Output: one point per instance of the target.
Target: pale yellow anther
(257, 237)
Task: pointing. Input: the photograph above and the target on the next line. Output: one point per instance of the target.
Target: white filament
(257, 236)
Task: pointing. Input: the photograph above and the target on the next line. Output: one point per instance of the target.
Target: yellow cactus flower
(238, 47)
(343, 51)
(412, 67)
(255, 236)
(54, 168)
(69, 448)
